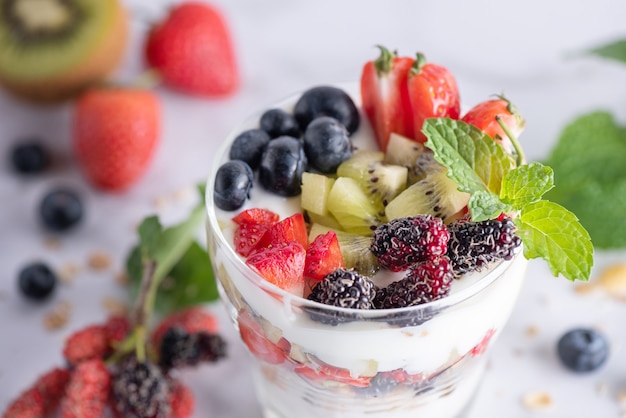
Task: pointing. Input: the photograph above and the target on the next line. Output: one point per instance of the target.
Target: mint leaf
(485, 205)
(190, 282)
(551, 232)
(615, 51)
(474, 161)
(526, 184)
(590, 174)
(149, 231)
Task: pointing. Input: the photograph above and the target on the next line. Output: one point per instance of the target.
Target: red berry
(481, 347)
(194, 319)
(87, 393)
(115, 134)
(193, 51)
(116, 328)
(42, 398)
(182, 401)
(247, 237)
(385, 96)
(324, 374)
(28, 405)
(290, 229)
(86, 344)
(282, 265)
(259, 345)
(256, 216)
(483, 116)
(433, 92)
(323, 256)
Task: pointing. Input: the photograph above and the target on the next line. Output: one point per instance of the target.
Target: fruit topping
(233, 182)
(352, 208)
(315, 191)
(385, 96)
(473, 245)
(251, 226)
(583, 350)
(425, 281)
(433, 92)
(282, 165)
(327, 101)
(323, 256)
(115, 134)
(248, 146)
(61, 209)
(413, 155)
(193, 52)
(278, 122)
(37, 281)
(30, 157)
(281, 265)
(327, 144)
(403, 242)
(289, 229)
(345, 289)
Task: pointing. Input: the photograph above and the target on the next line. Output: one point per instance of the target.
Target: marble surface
(528, 50)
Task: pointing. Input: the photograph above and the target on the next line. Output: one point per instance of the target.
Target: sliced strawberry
(325, 374)
(292, 228)
(481, 347)
(259, 345)
(323, 256)
(256, 216)
(282, 265)
(483, 116)
(385, 96)
(247, 237)
(433, 93)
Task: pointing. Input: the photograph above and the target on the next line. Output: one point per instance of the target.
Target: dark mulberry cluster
(180, 348)
(403, 242)
(473, 245)
(342, 288)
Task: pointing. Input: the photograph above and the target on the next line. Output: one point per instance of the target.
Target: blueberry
(282, 165)
(61, 209)
(583, 350)
(327, 101)
(327, 144)
(277, 122)
(233, 182)
(37, 281)
(30, 158)
(248, 146)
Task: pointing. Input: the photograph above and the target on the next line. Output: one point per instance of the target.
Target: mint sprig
(481, 168)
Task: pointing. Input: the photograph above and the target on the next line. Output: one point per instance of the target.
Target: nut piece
(537, 400)
(58, 317)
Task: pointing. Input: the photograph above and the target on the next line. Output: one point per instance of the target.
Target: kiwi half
(51, 50)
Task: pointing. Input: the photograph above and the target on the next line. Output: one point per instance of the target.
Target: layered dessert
(362, 271)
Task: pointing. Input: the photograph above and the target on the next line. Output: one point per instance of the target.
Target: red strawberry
(258, 344)
(325, 374)
(323, 256)
(194, 319)
(292, 228)
(282, 265)
(193, 51)
(252, 226)
(385, 96)
(481, 347)
(483, 116)
(433, 93)
(115, 134)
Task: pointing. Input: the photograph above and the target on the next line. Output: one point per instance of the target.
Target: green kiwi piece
(352, 208)
(315, 190)
(355, 249)
(436, 195)
(410, 154)
(382, 182)
(326, 220)
(50, 48)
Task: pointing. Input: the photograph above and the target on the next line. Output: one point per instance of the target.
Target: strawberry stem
(518, 148)
(383, 62)
(418, 64)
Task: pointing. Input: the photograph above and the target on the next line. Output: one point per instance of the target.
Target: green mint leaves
(481, 168)
(588, 162)
(615, 51)
(182, 267)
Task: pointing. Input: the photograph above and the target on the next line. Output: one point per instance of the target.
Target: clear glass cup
(316, 361)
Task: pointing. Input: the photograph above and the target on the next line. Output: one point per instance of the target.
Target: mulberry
(180, 348)
(405, 241)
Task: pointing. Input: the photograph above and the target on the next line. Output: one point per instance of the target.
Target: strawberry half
(282, 265)
(323, 256)
(256, 216)
(385, 97)
(258, 344)
(433, 92)
(115, 134)
(484, 116)
(193, 52)
(252, 225)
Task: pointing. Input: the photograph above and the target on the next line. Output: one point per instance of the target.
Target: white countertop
(287, 46)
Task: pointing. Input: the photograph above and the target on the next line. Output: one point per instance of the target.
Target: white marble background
(519, 48)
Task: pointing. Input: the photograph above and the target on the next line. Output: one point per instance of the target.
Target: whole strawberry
(115, 133)
(193, 52)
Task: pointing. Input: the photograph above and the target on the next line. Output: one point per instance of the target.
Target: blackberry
(180, 348)
(405, 241)
(342, 288)
(473, 245)
(140, 390)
